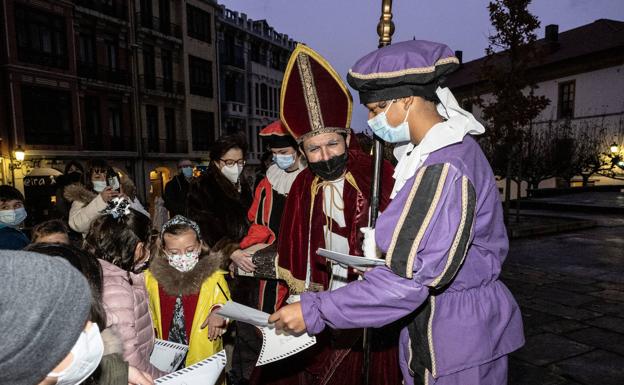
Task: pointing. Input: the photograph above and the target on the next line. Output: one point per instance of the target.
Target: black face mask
(331, 169)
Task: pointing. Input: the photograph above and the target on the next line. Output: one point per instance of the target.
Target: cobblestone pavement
(571, 290)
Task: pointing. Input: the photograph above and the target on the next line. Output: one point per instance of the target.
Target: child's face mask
(184, 262)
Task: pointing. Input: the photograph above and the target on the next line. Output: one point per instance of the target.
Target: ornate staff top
(385, 28)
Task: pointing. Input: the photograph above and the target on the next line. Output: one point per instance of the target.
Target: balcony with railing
(169, 86)
(34, 56)
(116, 9)
(160, 25)
(103, 73)
(202, 90)
(234, 60)
(108, 143)
(169, 146)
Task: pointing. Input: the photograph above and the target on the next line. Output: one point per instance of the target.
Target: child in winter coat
(185, 286)
(120, 239)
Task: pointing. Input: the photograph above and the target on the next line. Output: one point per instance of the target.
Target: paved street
(571, 290)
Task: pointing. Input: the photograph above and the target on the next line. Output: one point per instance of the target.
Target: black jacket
(176, 192)
(218, 208)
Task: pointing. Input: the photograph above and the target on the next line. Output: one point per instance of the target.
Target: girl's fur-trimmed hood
(77, 192)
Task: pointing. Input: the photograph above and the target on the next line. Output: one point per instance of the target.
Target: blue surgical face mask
(187, 171)
(380, 126)
(13, 217)
(99, 185)
(284, 161)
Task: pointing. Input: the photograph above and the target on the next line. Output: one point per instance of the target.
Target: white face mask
(232, 172)
(87, 352)
(184, 262)
(98, 185)
(13, 217)
(382, 128)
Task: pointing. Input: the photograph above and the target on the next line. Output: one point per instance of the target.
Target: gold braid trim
(296, 286)
(349, 178)
(408, 71)
(309, 92)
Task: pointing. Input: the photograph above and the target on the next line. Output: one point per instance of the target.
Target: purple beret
(413, 67)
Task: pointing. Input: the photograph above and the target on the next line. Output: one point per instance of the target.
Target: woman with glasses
(87, 201)
(218, 201)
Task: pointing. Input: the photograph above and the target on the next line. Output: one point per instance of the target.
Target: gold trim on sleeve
(409, 268)
(458, 235)
(401, 220)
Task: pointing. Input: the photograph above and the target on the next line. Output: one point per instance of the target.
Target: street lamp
(614, 148)
(19, 153)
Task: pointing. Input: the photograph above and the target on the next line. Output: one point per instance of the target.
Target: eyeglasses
(230, 162)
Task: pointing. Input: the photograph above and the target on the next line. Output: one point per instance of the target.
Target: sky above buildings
(344, 30)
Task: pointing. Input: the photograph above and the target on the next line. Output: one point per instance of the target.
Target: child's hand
(216, 326)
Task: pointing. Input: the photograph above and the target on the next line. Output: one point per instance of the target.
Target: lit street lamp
(614, 148)
(20, 154)
(16, 158)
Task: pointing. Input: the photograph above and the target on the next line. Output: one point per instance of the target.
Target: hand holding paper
(289, 318)
(276, 344)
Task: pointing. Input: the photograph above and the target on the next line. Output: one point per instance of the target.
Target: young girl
(185, 286)
(120, 239)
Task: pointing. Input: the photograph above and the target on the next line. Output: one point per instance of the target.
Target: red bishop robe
(337, 358)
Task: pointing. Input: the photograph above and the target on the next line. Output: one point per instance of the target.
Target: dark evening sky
(344, 30)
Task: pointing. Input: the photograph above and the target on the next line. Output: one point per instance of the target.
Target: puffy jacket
(85, 207)
(127, 309)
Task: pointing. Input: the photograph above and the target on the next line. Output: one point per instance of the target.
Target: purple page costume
(445, 242)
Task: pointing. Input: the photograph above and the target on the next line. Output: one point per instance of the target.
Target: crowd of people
(85, 298)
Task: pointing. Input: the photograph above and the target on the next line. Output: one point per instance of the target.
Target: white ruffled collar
(282, 180)
(458, 124)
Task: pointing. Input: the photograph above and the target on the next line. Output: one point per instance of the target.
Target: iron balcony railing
(169, 146)
(161, 84)
(95, 142)
(103, 73)
(157, 24)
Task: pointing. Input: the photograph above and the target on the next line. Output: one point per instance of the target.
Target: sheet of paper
(360, 263)
(274, 346)
(242, 313)
(278, 346)
(204, 372)
(167, 355)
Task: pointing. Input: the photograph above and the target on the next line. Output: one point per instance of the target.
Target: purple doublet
(445, 241)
